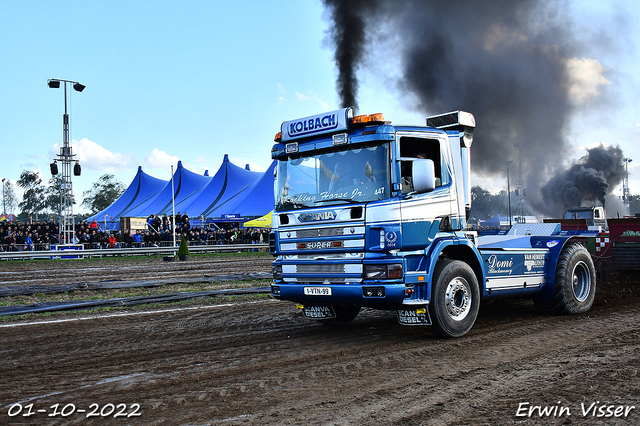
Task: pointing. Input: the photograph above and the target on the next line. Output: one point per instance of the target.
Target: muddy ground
(257, 361)
(139, 268)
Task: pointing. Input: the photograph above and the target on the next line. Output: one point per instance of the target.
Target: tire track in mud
(484, 379)
(389, 367)
(566, 333)
(264, 364)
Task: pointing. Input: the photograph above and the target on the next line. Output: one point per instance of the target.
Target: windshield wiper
(291, 204)
(348, 200)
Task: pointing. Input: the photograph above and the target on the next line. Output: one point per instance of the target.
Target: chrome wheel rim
(581, 281)
(457, 299)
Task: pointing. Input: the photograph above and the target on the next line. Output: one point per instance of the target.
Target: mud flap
(319, 312)
(415, 316)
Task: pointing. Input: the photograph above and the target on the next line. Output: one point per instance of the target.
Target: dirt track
(260, 362)
(128, 269)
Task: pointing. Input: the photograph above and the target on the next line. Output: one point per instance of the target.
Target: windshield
(341, 176)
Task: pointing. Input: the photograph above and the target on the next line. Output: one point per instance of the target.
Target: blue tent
(228, 181)
(251, 201)
(495, 222)
(186, 186)
(232, 191)
(142, 189)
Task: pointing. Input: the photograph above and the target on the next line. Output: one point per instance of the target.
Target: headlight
(383, 271)
(277, 272)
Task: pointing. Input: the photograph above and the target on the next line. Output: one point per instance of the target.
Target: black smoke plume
(586, 181)
(504, 61)
(349, 35)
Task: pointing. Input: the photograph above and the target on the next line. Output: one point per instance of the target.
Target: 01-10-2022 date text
(59, 410)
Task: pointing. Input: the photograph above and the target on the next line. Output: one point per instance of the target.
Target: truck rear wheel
(574, 287)
(344, 314)
(455, 299)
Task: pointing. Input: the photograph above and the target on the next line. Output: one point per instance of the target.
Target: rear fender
(554, 244)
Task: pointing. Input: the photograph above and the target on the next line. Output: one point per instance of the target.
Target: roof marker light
(360, 119)
(377, 117)
(368, 119)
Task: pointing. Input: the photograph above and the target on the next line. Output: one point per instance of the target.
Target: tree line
(40, 199)
(486, 205)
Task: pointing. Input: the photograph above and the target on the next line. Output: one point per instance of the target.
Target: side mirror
(424, 175)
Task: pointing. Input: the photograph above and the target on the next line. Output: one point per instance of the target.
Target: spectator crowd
(41, 235)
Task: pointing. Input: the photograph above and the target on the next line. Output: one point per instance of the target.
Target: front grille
(320, 232)
(320, 269)
(272, 242)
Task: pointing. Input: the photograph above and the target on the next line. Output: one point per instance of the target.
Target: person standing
(20, 241)
(28, 243)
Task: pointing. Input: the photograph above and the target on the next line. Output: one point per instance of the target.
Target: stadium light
(66, 221)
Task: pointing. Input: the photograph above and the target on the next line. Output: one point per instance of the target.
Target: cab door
(423, 215)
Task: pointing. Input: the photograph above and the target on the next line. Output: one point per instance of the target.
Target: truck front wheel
(455, 299)
(574, 287)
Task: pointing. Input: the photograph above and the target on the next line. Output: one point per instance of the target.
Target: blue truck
(370, 214)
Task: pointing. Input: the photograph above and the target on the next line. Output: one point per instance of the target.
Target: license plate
(318, 312)
(317, 291)
(411, 317)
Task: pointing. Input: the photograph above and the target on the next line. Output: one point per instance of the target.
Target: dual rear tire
(574, 288)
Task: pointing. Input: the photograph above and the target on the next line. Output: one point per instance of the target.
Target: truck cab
(370, 214)
(594, 216)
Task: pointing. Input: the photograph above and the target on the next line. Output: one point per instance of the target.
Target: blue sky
(194, 80)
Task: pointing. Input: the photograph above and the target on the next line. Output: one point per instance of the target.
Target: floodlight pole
(520, 188)
(173, 208)
(509, 190)
(66, 222)
(4, 203)
(626, 197)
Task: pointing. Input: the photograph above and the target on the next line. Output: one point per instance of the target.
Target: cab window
(412, 148)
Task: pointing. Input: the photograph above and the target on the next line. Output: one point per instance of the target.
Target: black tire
(455, 299)
(344, 314)
(574, 287)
